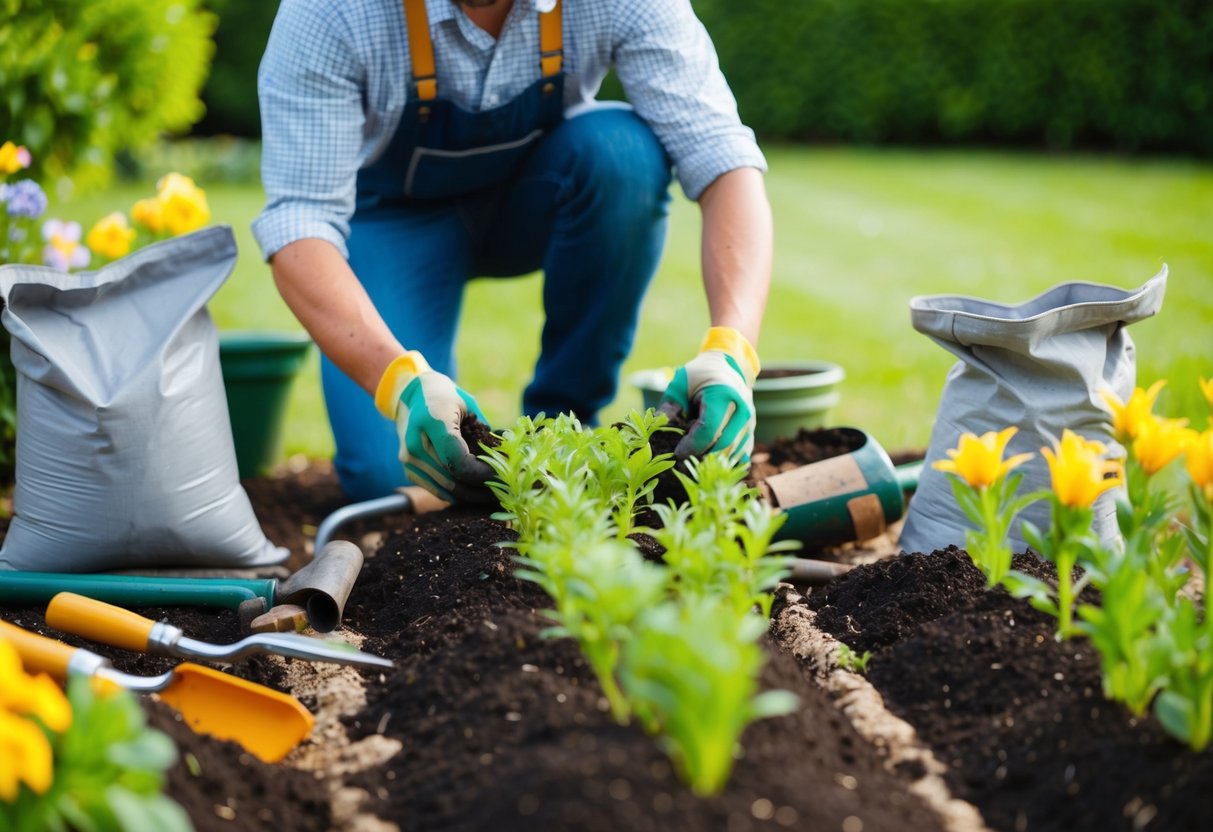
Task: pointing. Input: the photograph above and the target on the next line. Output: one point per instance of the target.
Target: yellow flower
(149, 213)
(25, 756)
(978, 459)
(183, 203)
(25, 751)
(1198, 457)
(1080, 470)
(1127, 417)
(13, 158)
(1206, 387)
(111, 237)
(1159, 441)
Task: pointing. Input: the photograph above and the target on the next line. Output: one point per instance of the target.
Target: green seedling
(691, 669)
(848, 659)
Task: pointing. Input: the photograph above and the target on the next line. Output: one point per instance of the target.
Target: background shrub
(1123, 74)
(230, 93)
(80, 81)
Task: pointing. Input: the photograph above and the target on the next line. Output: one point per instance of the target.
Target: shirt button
(491, 99)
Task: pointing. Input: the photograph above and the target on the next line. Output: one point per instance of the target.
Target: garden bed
(483, 723)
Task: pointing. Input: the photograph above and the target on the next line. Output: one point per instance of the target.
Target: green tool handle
(136, 591)
(908, 474)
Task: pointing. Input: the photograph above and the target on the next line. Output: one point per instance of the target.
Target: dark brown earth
(1019, 717)
(504, 729)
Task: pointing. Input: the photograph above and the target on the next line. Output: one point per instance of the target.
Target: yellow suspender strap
(421, 48)
(551, 42)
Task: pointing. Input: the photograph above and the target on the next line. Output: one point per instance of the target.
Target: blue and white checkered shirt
(336, 74)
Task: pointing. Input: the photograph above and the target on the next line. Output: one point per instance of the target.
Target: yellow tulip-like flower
(1127, 417)
(149, 213)
(25, 751)
(1198, 457)
(13, 158)
(111, 237)
(183, 204)
(1206, 387)
(1159, 441)
(1080, 471)
(978, 459)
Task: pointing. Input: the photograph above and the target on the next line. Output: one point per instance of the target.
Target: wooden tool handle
(38, 653)
(99, 621)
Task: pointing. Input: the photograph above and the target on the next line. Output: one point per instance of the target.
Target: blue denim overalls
(500, 193)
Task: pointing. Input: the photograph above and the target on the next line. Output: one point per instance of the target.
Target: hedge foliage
(80, 80)
(1126, 74)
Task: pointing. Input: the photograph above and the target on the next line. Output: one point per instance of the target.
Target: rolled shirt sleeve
(312, 115)
(670, 73)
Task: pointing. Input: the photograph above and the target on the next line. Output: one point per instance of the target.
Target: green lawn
(858, 233)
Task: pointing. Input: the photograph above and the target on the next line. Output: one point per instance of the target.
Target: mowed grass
(858, 234)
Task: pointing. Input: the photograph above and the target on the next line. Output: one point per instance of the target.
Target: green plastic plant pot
(788, 395)
(258, 368)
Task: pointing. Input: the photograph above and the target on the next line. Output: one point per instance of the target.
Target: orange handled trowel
(264, 721)
(108, 624)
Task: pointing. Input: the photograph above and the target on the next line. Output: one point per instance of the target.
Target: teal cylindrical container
(258, 368)
(842, 499)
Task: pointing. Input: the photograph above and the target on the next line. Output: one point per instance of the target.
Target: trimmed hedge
(1124, 74)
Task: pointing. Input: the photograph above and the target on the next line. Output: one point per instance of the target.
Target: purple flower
(63, 251)
(24, 199)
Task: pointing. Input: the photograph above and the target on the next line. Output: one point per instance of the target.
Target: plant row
(674, 644)
(1149, 619)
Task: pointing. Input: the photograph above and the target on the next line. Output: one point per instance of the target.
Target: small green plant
(848, 659)
(673, 645)
(88, 761)
(691, 669)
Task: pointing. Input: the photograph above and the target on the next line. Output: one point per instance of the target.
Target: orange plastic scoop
(266, 722)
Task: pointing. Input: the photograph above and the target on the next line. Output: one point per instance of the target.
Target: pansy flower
(63, 251)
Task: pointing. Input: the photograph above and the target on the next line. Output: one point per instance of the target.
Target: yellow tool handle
(38, 653)
(99, 621)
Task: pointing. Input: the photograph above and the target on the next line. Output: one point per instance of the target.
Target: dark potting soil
(506, 729)
(1018, 717)
(503, 728)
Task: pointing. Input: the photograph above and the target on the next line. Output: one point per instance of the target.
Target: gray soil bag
(124, 447)
(1038, 366)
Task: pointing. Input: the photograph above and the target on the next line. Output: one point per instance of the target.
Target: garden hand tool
(108, 624)
(265, 722)
(322, 587)
(844, 498)
(719, 384)
(428, 408)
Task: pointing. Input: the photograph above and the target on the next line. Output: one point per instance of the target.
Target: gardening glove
(714, 390)
(428, 409)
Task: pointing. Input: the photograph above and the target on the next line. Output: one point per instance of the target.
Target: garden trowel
(108, 624)
(265, 722)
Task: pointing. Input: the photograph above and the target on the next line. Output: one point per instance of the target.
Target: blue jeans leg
(591, 205)
(414, 260)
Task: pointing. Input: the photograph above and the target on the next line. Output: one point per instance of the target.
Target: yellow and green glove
(715, 391)
(428, 408)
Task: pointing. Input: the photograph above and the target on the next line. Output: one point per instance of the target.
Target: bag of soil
(124, 447)
(1038, 366)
